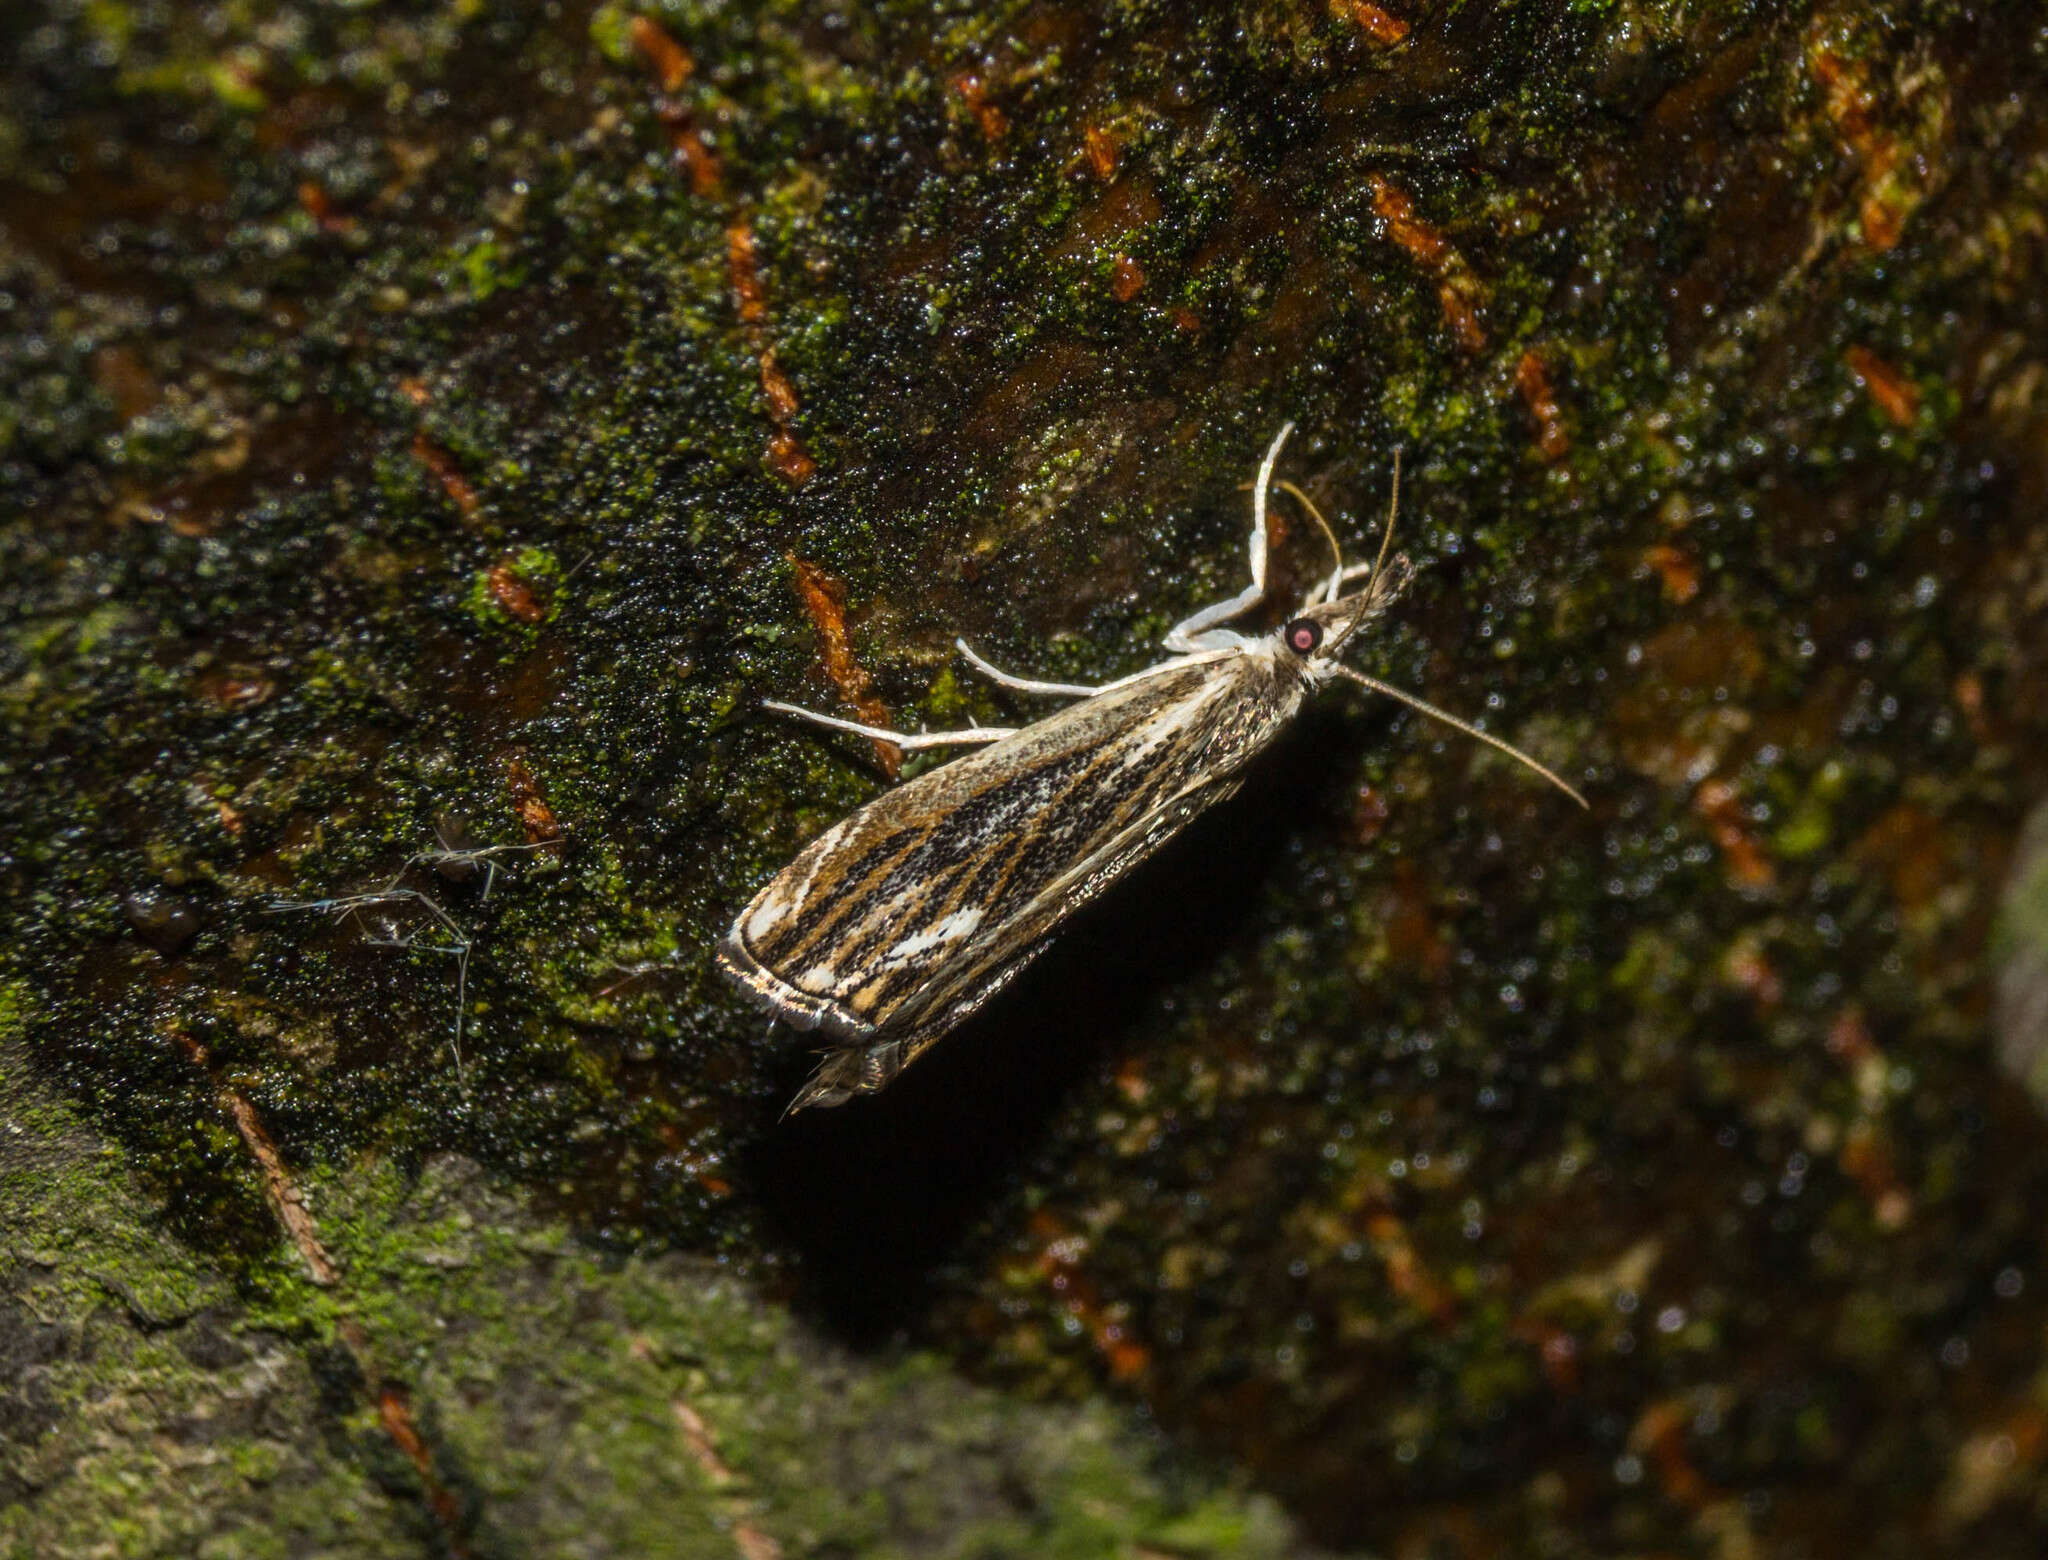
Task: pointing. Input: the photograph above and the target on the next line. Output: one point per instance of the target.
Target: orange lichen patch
(1906, 844)
(288, 1206)
(1461, 316)
(1849, 108)
(714, 1185)
(973, 92)
(776, 387)
(230, 817)
(1186, 320)
(1848, 96)
(785, 455)
(447, 472)
(395, 1414)
(1424, 244)
(1721, 809)
(1058, 1261)
(1865, 1156)
(1891, 392)
(693, 152)
(1383, 27)
(669, 60)
(1532, 382)
(1126, 279)
(279, 1190)
(1100, 150)
(1458, 291)
(535, 816)
(1407, 1274)
(1364, 1205)
(697, 1441)
(743, 271)
(415, 390)
(824, 598)
(1675, 570)
(319, 205)
(749, 1540)
(1660, 1433)
(672, 67)
(514, 596)
(788, 459)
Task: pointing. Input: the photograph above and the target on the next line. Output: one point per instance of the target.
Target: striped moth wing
(898, 922)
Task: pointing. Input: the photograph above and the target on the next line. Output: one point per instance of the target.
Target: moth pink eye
(1303, 635)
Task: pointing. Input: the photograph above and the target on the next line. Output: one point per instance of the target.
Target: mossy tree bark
(430, 430)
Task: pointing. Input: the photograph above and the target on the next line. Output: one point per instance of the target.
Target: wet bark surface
(428, 433)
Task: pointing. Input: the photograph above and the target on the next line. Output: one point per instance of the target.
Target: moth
(899, 922)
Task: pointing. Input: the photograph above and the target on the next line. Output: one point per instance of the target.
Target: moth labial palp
(904, 918)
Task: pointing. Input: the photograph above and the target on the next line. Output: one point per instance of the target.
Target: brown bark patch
(1720, 809)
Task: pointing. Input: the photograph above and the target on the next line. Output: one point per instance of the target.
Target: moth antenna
(1329, 587)
(1393, 509)
(1456, 724)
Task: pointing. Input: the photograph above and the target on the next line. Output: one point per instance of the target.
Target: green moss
(611, 30)
(484, 268)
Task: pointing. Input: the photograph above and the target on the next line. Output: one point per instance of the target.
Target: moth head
(1331, 613)
(1321, 628)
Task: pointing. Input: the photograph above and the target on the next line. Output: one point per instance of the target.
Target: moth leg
(1199, 632)
(1003, 679)
(909, 742)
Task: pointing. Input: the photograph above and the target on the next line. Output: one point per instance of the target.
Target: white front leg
(910, 743)
(1199, 632)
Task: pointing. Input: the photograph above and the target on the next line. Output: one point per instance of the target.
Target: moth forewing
(894, 925)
